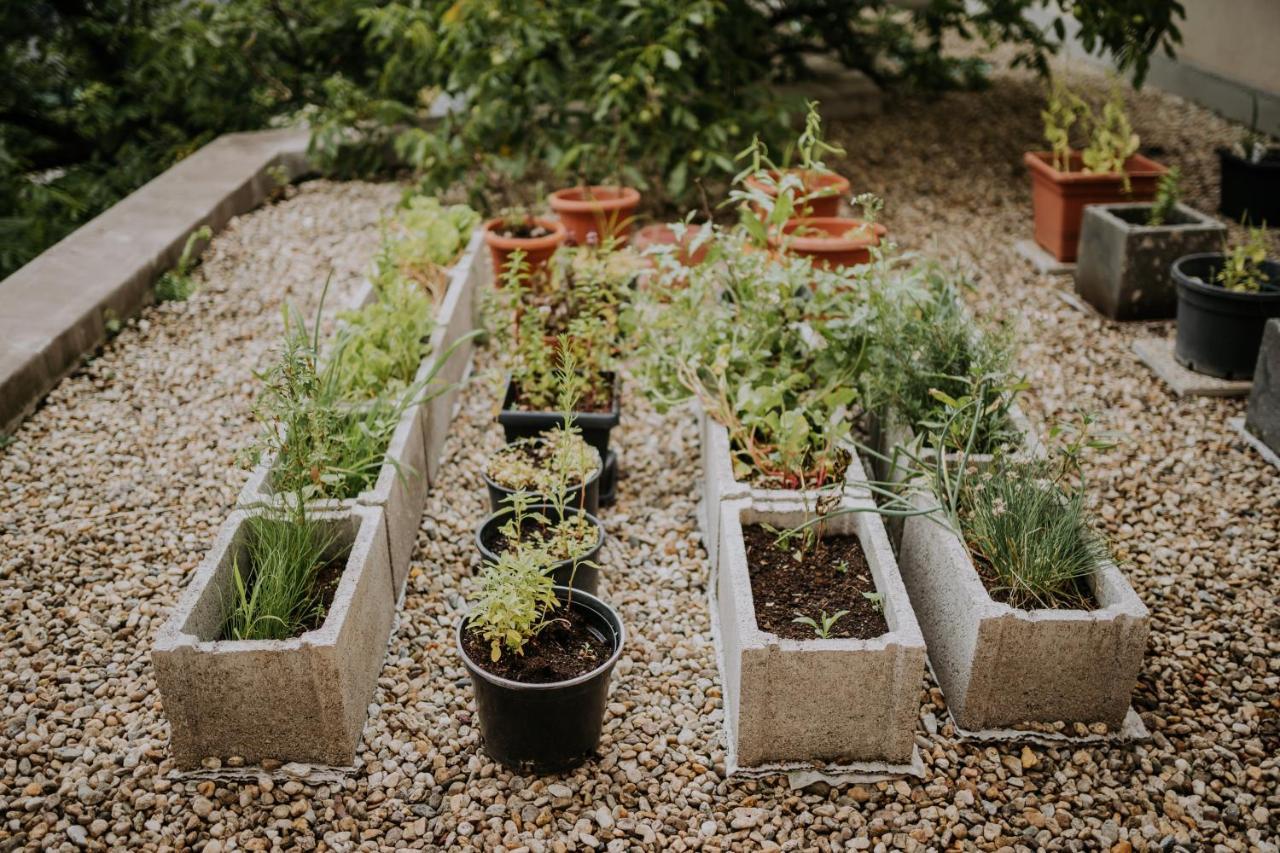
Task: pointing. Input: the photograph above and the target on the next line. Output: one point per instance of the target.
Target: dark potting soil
(831, 578)
(564, 649)
(1077, 595)
(531, 530)
(591, 401)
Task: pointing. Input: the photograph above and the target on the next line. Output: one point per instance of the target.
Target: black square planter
(1250, 191)
(595, 426)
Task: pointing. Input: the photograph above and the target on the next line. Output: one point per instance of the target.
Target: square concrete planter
(1262, 418)
(1123, 264)
(400, 490)
(1003, 667)
(826, 703)
(718, 484)
(303, 699)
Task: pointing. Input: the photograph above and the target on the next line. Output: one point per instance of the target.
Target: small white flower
(997, 507)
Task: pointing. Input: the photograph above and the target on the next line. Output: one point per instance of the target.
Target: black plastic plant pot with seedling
(1220, 330)
(584, 496)
(582, 572)
(595, 426)
(542, 728)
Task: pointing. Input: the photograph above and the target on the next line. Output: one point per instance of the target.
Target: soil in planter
(565, 649)
(831, 578)
(591, 401)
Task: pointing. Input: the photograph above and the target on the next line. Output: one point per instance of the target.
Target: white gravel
(112, 490)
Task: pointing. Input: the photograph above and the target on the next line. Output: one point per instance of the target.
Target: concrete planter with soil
(833, 703)
(400, 490)
(719, 485)
(1123, 265)
(304, 699)
(1000, 666)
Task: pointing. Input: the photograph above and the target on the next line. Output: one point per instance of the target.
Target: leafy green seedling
(823, 630)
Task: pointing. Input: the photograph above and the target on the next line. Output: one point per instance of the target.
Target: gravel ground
(113, 490)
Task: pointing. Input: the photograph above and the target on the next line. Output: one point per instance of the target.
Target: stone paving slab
(1044, 263)
(1157, 354)
(57, 306)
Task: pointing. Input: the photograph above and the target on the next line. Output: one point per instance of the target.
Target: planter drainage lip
(1137, 166)
(594, 603)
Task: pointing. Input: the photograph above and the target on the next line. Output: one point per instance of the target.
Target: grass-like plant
(1168, 192)
(178, 284)
(274, 595)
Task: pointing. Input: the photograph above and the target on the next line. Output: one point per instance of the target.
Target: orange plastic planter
(537, 250)
(1058, 198)
(591, 213)
(834, 245)
(834, 186)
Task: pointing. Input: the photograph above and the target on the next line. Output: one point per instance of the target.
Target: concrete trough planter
(1123, 264)
(718, 484)
(1001, 667)
(299, 700)
(400, 490)
(1262, 418)
(835, 705)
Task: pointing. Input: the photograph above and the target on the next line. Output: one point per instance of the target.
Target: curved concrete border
(53, 311)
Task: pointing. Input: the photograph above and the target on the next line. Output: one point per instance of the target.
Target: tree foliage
(97, 96)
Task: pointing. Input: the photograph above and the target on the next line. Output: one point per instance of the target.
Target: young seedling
(876, 599)
(1242, 270)
(177, 284)
(821, 629)
(1168, 192)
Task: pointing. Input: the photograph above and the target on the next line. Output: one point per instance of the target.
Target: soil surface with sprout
(113, 489)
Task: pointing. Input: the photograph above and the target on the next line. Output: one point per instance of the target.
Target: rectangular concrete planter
(1262, 418)
(718, 484)
(1123, 264)
(835, 702)
(999, 666)
(891, 437)
(303, 699)
(400, 490)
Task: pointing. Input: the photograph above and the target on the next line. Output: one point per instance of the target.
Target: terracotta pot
(663, 235)
(593, 213)
(537, 250)
(1058, 198)
(834, 246)
(835, 186)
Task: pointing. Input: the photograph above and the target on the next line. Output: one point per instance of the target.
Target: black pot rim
(1183, 280)
(489, 481)
(1267, 163)
(562, 592)
(485, 552)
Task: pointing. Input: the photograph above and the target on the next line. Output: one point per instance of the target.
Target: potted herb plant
(567, 536)
(596, 214)
(536, 238)
(1224, 301)
(1108, 170)
(540, 657)
(557, 463)
(689, 249)
(815, 191)
(1025, 615)
(822, 655)
(1126, 251)
(273, 651)
(1250, 178)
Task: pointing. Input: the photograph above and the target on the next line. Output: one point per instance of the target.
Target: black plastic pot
(1219, 330)
(546, 728)
(585, 575)
(595, 426)
(584, 495)
(1250, 191)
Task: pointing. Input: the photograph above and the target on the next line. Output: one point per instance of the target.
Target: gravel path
(111, 493)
